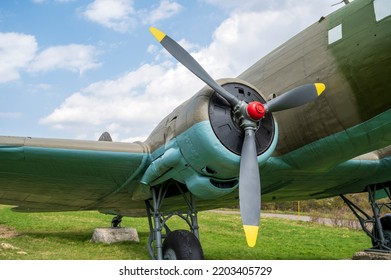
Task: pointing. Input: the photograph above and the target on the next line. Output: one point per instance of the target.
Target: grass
(63, 236)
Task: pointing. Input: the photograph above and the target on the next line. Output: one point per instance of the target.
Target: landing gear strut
(178, 244)
(376, 227)
(116, 221)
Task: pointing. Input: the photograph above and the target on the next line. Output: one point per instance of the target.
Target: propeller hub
(228, 124)
(256, 110)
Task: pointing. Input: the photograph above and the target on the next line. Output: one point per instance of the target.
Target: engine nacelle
(203, 141)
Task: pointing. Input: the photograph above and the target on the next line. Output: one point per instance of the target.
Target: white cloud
(121, 16)
(133, 104)
(130, 105)
(152, 49)
(166, 9)
(73, 57)
(16, 52)
(254, 29)
(113, 14)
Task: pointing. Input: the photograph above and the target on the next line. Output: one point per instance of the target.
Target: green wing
(62, 175)
(285, 183)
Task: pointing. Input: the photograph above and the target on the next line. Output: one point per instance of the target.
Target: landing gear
(376, 227)
(178, 244)
(116, 221)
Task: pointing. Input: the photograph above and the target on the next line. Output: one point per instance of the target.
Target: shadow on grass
(76, 236)
(74, 245)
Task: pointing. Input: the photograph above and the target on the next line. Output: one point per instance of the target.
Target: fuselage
(354, 63)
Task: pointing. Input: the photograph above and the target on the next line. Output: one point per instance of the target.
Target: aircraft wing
(351, 176)
(62, 175)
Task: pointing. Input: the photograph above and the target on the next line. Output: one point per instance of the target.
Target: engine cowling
(202, 142)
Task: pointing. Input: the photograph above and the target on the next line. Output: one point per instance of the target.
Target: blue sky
(75, 68)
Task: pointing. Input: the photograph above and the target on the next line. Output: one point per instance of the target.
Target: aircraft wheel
(182, 245)
(386, 222)
(386, 225)
(387, 236)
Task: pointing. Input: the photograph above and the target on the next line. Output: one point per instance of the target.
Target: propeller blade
(295, 97)
(250, 188)
(249, 116)
(190, 63)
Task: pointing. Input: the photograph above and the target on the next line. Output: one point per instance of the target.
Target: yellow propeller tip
(320, 87)
(157, 33)
(251, 234)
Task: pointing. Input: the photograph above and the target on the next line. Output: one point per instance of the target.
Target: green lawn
(61, 236)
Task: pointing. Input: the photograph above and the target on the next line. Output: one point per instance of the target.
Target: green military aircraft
(269, 127)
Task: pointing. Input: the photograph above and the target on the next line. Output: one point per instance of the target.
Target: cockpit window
(382, 9)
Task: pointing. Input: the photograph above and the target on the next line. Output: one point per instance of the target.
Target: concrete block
(371, 255)
(112, 235)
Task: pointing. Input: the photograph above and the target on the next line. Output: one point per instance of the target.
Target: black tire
(386, 225)
(182, 245)
(387, 237)
(386, 222)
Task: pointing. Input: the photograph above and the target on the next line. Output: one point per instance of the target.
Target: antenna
(343, 1)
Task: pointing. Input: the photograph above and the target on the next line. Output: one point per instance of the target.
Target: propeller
(249, 116)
